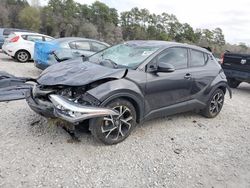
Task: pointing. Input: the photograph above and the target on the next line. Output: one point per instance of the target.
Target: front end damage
(71, 104)
(62, 91)
(73, 112)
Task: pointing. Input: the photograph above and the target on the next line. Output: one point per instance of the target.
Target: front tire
(22, 56)
(214, 104)
(114, 129)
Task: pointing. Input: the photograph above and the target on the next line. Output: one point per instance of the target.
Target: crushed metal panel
(12, 87)
(77, 73)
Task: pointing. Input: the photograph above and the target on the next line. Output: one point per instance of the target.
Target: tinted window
(197, 58)
(82, 45)
(34, 38)
(174, 56)
(7, 31)
(96, 47)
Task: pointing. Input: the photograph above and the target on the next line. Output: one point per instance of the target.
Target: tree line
(63, 18)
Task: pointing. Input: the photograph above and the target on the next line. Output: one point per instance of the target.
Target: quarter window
(175, 56)
(82, 45)
(197, 58)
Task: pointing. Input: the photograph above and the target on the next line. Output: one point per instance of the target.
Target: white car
(20, 45)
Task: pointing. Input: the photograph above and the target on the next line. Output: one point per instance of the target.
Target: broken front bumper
(74, 112)
(63, 108)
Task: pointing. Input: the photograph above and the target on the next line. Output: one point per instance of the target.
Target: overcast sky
(233, 17)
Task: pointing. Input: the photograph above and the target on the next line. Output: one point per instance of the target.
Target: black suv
(129, 83)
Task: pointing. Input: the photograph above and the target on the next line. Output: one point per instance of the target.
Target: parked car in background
(4, 33)
(58, 50)
(20, 45)
(236, 67)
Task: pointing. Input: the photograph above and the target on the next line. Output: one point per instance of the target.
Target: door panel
(167, 88)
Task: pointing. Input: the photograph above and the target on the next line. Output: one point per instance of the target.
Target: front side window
(34, 38)
(197, 58)
(178, 57)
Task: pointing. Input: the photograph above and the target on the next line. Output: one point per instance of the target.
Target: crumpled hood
(77, 73)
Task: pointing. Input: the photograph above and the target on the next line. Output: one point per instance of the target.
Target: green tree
(29, 18)
(218, 37)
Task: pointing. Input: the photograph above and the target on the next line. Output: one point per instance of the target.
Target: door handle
(187, 76)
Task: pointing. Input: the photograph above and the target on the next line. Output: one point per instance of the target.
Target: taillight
(15, 39)
(222, 58)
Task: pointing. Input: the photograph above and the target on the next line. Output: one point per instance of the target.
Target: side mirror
(165, 67)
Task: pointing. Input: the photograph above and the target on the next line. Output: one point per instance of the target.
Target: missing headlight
(78, 95)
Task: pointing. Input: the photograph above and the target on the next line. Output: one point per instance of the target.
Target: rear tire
(233, 83)
(22, 56)
(214, 104)
(114, 129)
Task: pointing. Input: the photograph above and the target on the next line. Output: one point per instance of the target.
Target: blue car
(58, 50)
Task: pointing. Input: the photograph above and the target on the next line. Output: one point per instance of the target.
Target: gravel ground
(184, 150)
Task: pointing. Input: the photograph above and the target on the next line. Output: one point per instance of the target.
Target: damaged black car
(129, 83)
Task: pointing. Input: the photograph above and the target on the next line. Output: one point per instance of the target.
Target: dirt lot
(184, 150)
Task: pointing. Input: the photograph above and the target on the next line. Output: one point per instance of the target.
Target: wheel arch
(223, 86)
(134, 100)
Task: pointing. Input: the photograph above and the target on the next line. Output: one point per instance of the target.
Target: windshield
(124, 55)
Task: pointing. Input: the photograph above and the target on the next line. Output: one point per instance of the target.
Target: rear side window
(82, 45)
(34, 38)
(96, 47)
(198, 58)
(177, 57)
